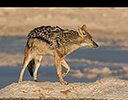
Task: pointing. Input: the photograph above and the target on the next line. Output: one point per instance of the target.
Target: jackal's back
(44, 32)
(54, 36)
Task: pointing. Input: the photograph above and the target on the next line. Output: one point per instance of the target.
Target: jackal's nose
(95, 45)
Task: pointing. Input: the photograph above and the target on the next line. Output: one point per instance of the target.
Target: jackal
(57, 42)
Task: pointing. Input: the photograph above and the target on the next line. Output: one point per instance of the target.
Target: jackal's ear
(81, 32)
(84, 27)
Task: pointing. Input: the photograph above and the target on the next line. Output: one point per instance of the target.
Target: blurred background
(108, 27)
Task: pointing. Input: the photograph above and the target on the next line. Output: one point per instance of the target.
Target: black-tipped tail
(31, 66)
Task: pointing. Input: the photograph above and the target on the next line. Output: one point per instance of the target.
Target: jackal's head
(85, 38)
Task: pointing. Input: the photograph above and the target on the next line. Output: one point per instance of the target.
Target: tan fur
(58, 43)
(80, 38)
(84, 27)
(25, 63)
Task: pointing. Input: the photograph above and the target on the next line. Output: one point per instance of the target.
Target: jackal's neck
(67, 49)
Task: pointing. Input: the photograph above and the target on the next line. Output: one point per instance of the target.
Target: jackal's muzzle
(94, 45)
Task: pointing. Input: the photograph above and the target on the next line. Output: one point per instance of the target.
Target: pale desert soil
(106, 89)
(105, 24)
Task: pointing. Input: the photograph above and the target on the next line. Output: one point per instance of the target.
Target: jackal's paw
(19, 81)
(64, 83)
(35, 80)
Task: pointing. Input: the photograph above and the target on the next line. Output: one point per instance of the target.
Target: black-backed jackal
(57, 42)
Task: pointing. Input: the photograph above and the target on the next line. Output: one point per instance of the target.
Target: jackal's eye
(84, 32)
(91, 40)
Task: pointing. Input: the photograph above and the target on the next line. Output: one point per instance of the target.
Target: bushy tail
(31, 66)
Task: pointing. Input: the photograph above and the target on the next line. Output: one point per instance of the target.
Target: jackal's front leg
(64, 63)
(59, 70)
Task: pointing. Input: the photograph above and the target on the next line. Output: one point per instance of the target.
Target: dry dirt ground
(105, 24)
(104, 89)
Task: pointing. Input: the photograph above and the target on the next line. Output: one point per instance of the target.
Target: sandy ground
(103, 23)
(104, 89)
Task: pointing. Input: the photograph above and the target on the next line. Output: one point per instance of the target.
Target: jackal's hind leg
(26, 61)
(37, 65)
(64, 63)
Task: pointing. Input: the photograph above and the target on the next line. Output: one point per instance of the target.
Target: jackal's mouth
(95, 46)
